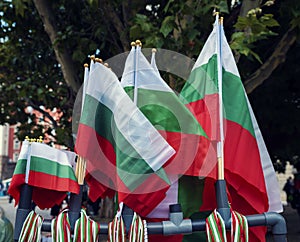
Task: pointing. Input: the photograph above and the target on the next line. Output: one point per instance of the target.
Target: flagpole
(76, 199)
(135, 88)
(220, 145)
(221, 194)
(81, 162)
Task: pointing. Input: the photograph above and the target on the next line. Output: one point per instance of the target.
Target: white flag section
(140, 74)
(271, 182)
(61, 157)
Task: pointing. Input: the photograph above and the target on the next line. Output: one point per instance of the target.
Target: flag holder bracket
(222, 202)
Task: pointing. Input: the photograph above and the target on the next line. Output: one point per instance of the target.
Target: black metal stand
(75, 207)
(175, 225)
(23, 210)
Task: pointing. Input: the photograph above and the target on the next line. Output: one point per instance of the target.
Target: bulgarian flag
(116, 138)
(96, 188)
(174, 121)
(165, 111)
(185, 190)
(249, 174)
(48, 170)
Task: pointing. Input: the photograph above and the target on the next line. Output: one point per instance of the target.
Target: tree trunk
(111, 15)
(61, 52)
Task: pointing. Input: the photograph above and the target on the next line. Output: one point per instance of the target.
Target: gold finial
(92, 57)
(86, 65)
(138, 42)
(41, 139)
(132, 44)
(99, 60)
(27, 138)
(154, 50)
(221, 20)
(106, 64)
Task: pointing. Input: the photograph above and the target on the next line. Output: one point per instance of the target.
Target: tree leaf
(167, 25)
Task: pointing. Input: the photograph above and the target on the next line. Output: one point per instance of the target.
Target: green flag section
(48, 170)
(249, 174)
(116, 138)
(171, 118)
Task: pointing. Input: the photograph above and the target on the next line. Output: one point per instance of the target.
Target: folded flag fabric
(48, 170)
(216, 230)
(61, 228)
(116, 228)
(32, 228)
(86, 229)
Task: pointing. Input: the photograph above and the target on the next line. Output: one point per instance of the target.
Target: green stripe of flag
(50, 167)
(20, 167)
(203, 81)
(190, 191)
(235, 103)
(164, 112)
